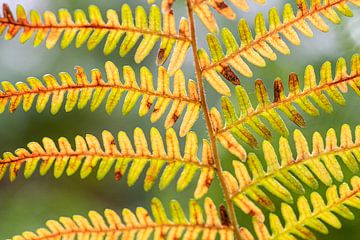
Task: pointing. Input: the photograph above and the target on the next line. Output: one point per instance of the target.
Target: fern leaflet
(289, 175)
(94, 29)
(140, 224)
(250, 117)
(255, 49)
(312, 214)
(89, 153)
(83, 91)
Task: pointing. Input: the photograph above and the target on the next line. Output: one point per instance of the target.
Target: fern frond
(140, 224)
(280, 178)
(312, 215)
(250, 118)
(255, 49)
(93, 29)
(202, 10)
(89, 153)
(95, 90)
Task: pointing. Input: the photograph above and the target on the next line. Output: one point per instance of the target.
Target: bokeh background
(27, 204)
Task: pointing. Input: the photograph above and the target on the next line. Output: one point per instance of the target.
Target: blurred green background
(27, 204)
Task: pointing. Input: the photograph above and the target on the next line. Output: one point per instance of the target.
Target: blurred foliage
(27, 204)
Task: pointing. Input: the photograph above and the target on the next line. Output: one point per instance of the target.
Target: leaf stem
(209, 126)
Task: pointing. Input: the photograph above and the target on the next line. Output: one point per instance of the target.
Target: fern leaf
(83, 91)
(250, 118)
(280, 178)
(255, 48)
(139, 224)
(312, 215)
(93, 29)
(202, 10)
(89, 153)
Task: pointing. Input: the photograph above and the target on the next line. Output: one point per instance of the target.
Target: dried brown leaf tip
(229, 75)
(225, 220)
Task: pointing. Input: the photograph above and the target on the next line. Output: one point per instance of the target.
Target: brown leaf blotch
(293, 81)
(175, 117)
(160, 56)
(118, 175)
(221, 5)
(225, 220)
(278, 89)
(230, 75)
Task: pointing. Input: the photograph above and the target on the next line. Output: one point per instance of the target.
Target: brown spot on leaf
(264, 201)
(230, 145)
(278, 89)
(12, 109)
(220, 5)
(211, 160)
(175, 117)
(298, 119)
(169, 6)
(225, 220)
(16, 170)
(97, 77)
(251, 139)
(293, 81)
(156, 110)
(230, 75)
(182, 32)
(148, 104)
(261, 91)
(118, 175)
(208, 182)
(162, 235)
(252, 212)
(302, 8)
(160, 56)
